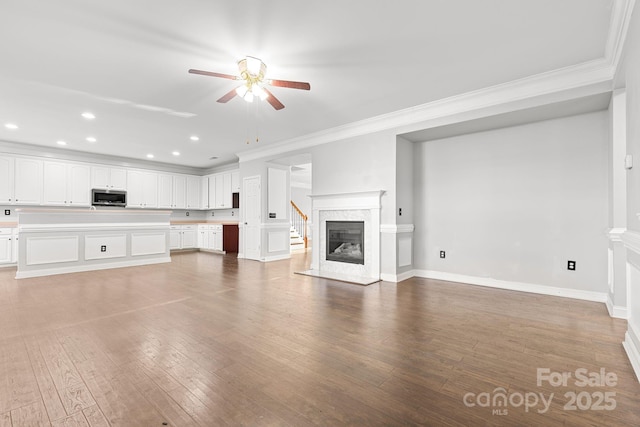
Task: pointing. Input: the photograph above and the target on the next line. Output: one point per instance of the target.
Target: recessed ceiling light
(175, 153)
(149, 156)
(11, 126)
(91, 139)
(89, 116)
(194, 138)
(61, 143)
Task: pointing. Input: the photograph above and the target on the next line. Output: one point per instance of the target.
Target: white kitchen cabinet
(6, 245)
(174, 237)
(210, 237)
(6, 180)
(223, 197)
(28, 181)
(189, 236)
(142, 189)
(235, 181)
(179, 191)
(203, 236)
(172, 191)
(193, 192)
(183, 237)
(14, 249)
(216, 243)
(204, 192)
(106, 178)
(66, 184)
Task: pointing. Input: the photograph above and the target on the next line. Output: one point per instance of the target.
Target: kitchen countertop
(8, 224)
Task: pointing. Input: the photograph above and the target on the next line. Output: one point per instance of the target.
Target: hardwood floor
(210, 340)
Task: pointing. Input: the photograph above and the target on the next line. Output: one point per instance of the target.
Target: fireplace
(345, 241)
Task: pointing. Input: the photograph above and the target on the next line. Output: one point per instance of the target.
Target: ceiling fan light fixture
(242, 91)
(254, 66)
(259, 92)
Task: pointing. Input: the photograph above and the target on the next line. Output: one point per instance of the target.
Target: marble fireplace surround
(358, 206)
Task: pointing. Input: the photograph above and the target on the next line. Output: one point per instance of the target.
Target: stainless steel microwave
(108, 198)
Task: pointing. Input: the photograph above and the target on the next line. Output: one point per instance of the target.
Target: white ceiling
(127, 62)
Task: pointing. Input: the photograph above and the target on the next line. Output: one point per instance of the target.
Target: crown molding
(554, 86)
(618, 29)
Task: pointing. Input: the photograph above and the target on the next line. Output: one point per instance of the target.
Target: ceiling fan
(252, 75)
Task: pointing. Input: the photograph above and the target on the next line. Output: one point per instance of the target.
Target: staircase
(299, 241)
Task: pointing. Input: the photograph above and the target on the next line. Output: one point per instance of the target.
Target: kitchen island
(57, 241)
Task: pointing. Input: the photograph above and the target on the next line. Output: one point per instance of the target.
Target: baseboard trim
(514, 286)
(616, 311)
(631, 345)
(89, 267)
(275, 258)
(395, 278)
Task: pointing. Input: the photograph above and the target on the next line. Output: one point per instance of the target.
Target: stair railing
(299, 222)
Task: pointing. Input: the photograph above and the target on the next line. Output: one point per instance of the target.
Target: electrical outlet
(187, 213)
(571, 265)
(213, 213)
(7, 211)
(442, 254)
(399, 211)
(103, 248)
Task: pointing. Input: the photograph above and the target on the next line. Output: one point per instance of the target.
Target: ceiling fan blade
(290, 84)
(228, 96)
(212, 74)
(275, 103)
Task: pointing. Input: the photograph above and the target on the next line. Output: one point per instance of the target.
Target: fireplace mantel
(362, 206)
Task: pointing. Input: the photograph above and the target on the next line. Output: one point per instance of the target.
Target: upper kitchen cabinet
(193, 192)
(172, 191)
(66, 184)
(28, 181)
(235, 181)
(142, 189)
(106, 178)
(6, 180)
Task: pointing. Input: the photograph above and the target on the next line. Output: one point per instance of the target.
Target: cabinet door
(212, 192)
(204, 192)
(235, 181)
(150, 187)
(179, 191)
(189, 238)
(14, 249)
(165, 191)
(100, 177)
(174, 238)
(28, 181)
(78, 191)
(6, 180)
(6, 245)
(54, 191)
(135, 193)
(118, 179)
(226, 191)
(193, 192)
(219, 196)
(211, 239)
(217, 236)
(202, 237)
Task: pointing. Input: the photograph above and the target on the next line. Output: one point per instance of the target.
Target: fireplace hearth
(345, 241)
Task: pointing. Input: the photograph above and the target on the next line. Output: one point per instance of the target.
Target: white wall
(364, 163)
(515, 204)
(629, 76)
(300, 197)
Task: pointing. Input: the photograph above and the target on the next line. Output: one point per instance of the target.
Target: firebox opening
(345, 241)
